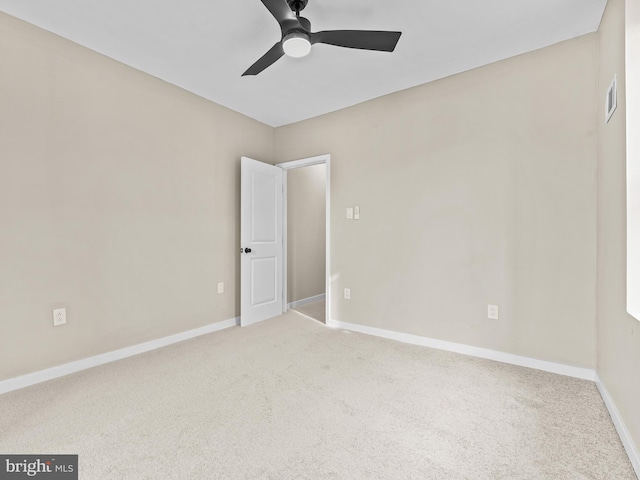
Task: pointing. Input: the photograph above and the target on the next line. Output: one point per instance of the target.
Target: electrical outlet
(347, 294)
(492, 312)
(356, 212)
(220, 287)
(59, 316)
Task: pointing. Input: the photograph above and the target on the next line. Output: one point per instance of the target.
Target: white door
(261, 241)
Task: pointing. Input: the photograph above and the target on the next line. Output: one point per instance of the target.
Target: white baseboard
(304, 301)
(559, 368)
(625, 437)
(72, 367)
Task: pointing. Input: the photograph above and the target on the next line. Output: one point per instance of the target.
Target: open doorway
(306, 234)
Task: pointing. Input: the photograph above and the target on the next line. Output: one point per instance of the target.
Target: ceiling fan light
(296, 45)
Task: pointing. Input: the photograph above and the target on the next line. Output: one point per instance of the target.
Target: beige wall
(618, 333)
(119, 198)
(306, 234)
(476, 189)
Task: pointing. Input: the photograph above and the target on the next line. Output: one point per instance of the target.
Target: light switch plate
(356, 212)
(349, 213)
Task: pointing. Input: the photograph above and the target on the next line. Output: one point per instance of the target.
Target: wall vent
(612, 99)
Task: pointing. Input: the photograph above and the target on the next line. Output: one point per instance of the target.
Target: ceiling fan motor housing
(297, 5)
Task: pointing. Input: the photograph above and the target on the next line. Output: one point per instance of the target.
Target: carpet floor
(315, 310)
(292, 399)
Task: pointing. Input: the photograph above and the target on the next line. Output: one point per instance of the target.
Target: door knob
(247, 250)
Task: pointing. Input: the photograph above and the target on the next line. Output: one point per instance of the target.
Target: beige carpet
(292, 399)
(315, 310)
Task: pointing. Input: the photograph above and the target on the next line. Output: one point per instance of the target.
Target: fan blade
(268, 59)
(280, 10)
(363, 39)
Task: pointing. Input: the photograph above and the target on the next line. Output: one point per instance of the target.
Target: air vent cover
(612, 99)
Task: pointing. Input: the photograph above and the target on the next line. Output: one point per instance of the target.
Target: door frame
(307, 162)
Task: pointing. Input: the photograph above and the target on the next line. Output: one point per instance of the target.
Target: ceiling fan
(297, 36)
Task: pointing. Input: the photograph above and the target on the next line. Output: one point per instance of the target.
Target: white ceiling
(205, 46)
